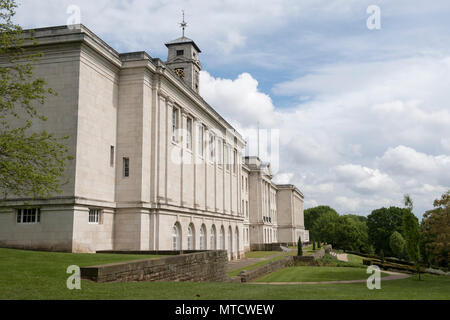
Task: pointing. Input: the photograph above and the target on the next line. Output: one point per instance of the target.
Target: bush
(299, 247)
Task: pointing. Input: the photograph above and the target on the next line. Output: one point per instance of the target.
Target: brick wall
(199, 266)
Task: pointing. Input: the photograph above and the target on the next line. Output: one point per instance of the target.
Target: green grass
(42, 275)
(260, 254)
(313, 274)
(352, 258)
(256, 265)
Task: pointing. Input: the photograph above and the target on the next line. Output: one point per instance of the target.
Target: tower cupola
(183, 59)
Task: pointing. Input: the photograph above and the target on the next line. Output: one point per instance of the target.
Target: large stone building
(155, 167)
(290, 214)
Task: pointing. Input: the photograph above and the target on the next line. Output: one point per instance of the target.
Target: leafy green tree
(323, 227)
(381, 223)
(311, 215)
(299, 247)
(32, 162)
(397, 244)
(350, 233)
(411, 230)
(435, 231)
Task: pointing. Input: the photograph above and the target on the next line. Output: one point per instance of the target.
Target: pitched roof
(183, 40)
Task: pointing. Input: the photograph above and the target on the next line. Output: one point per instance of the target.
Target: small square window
(29, 215)
(180, 52)
(94, 216)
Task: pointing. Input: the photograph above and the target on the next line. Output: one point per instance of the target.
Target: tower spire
(183, 24)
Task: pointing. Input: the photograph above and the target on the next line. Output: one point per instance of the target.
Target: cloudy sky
(363, 115)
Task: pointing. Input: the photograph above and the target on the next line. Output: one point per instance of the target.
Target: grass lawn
(257, 264)
(260, 254)
(42, 275)
(352, 258)
(313, 274)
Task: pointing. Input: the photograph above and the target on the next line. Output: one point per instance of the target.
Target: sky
(362, 113)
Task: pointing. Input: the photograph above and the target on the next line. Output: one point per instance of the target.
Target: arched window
(222, 239)
(236, 241)
(203, 238)
(230, 242)
(212, 238)
(191, 237)
(176, 239)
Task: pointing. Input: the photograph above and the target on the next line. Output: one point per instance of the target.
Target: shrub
(299, 247)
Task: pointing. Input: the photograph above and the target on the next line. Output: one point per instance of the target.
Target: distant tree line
(387, 232)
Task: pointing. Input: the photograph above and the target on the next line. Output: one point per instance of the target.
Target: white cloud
(357, 121)
(283, 178)
(445, 142)
(238, 99)
(363, 179)
(406, 161)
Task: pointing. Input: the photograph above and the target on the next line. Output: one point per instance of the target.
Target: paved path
(242, 263)
(392, 276)
(342, 257)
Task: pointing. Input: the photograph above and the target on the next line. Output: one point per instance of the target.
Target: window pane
(189, 133)
(126, 167)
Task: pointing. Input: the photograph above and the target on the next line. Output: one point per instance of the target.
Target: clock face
(180, 72)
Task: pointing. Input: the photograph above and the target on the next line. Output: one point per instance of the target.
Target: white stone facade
(290, 215)
(155, 167)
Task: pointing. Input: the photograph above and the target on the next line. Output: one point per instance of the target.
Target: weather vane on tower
(183, 24)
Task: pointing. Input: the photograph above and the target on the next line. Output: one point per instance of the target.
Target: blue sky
(363, 115)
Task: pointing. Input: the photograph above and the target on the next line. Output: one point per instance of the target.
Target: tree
(411, 230)
(323, 227)
(435, 231)
(397, 244)
(32, 162)
(311, 215)
(300, 247)
(381, 223)
(350, 233)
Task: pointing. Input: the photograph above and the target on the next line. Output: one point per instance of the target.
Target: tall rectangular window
(246, 202)
(235, 163)
(29, 215)
(174, 124)
(111, 156)
(211, 148)
(126, 167)
(200, 139)
(227, 157)
(219, 152)
(189, 133)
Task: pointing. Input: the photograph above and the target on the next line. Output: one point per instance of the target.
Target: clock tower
(183, 59)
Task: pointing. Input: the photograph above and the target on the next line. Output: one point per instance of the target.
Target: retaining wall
(199, 266)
